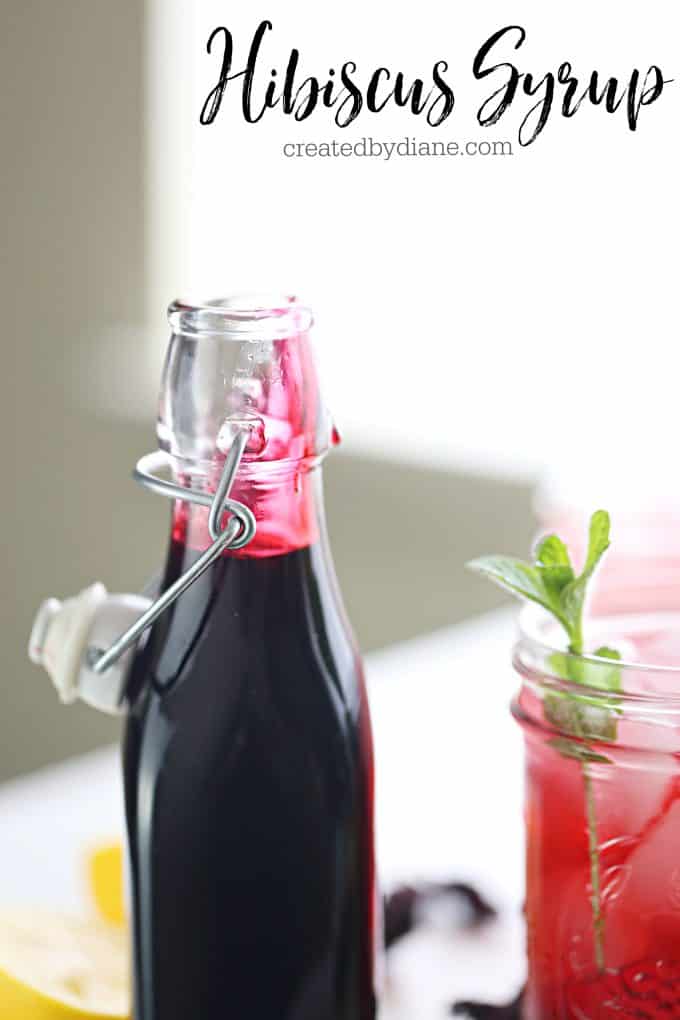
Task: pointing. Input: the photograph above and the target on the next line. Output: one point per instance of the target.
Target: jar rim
(533, 619)
(242, 317)
(534, 651)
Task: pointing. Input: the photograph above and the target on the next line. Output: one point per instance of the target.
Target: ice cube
(642, 909)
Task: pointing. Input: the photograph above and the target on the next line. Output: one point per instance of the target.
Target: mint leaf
(573, 595)
(608, 653)
(592, 718)
(552, 552)
(605, 676)
(598, 539)
(580, 716)
(517, 576)
(555, 580)
(554, 566)
(580, 752)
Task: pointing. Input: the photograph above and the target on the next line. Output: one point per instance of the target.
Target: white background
(495, 313)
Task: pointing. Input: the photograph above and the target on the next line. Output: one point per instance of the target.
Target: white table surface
(449, 806)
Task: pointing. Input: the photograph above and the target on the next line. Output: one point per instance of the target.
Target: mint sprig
(551, 581)
(589, 718)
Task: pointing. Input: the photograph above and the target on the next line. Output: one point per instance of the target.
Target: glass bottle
(248, 756)
(247, 753)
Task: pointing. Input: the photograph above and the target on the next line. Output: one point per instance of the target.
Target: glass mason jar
(602, 815)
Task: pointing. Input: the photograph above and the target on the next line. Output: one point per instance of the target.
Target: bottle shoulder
(264, 674)
(248, 617)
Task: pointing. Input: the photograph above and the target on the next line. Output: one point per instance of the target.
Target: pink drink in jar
(603, 823)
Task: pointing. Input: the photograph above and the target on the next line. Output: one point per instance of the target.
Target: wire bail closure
(238, 532)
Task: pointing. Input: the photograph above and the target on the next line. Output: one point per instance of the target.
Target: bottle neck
(286, 499)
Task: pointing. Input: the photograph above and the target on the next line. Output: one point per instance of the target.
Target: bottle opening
(264, 373)
(246, 364)
(255, 317)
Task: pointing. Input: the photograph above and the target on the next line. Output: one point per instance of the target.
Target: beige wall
(73, 213)
(71, 204)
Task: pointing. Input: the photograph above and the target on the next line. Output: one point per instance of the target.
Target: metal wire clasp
(239, 530)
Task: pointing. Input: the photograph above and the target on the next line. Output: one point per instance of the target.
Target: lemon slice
(105, 870)
(60, 968)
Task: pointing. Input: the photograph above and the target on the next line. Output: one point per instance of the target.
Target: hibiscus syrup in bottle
(247, 754)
